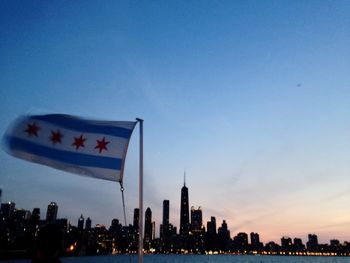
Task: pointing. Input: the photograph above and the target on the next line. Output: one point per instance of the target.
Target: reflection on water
(198, 258)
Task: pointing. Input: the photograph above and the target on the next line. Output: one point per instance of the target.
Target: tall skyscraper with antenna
(184, 211)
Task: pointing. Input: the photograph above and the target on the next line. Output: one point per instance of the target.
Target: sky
(250, 98)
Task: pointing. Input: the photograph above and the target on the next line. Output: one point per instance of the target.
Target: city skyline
(250, 98)
(19, 229)
(190, 223)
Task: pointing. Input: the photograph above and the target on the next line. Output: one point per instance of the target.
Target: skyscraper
(312, 244)
(196, 219)
(167, 231)
(255, 241)
(8, 210)
(136, 218)
(116, 227)
(88, 223)
(81, 223)
(298, 244)
(36, 214)
(148, 225)
(184, 213)
(224, 238)
(241, 241)
(211, 236)
(286, 243)
(35, 220)
(153, 230)
(164, 226)
(211, 226)
(51, 213)
(197, 238)
(223, 231)
(135, 230)
(165, 212)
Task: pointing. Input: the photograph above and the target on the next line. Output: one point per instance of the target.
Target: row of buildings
(19, 227)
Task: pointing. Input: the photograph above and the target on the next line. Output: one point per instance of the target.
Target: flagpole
(140, 254)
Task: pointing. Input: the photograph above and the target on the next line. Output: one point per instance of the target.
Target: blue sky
(250, 97)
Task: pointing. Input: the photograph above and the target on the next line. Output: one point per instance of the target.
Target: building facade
(51, 213)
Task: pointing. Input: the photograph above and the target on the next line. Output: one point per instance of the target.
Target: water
(198, 259)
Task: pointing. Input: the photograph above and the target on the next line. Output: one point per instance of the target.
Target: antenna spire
(185, 178)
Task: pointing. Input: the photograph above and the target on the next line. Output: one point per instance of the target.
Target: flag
(87, 147)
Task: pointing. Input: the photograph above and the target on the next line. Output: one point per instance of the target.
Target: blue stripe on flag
(73, 158)
(81, 125)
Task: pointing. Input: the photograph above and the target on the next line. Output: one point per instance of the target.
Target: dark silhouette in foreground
(48, 245)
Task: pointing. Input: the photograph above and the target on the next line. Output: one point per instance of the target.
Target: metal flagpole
(140, 254)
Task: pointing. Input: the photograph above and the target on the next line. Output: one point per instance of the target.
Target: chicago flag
(87, 147)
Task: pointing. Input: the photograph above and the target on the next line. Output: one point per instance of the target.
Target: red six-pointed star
(102, 145)
(56, 137)
(32, 129)
(79, 142)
